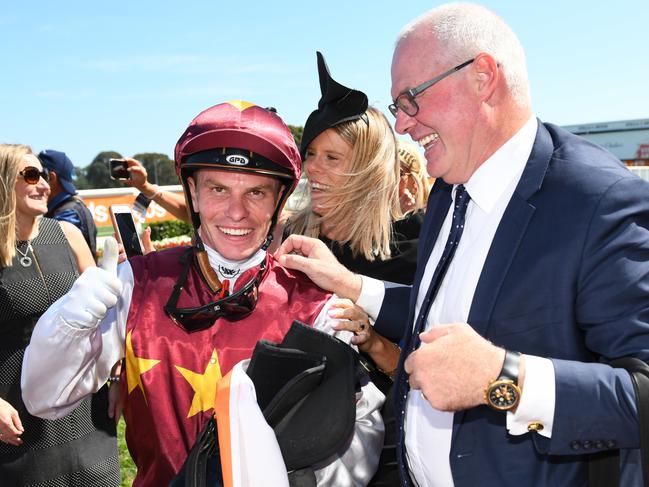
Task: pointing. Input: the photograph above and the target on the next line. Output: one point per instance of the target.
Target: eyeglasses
(406, 101)
(233, 307)
(32, 175)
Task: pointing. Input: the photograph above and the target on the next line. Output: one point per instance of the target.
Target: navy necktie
(412, 341)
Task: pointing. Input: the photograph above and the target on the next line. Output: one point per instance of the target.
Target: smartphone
(126, 230)
(118, 169)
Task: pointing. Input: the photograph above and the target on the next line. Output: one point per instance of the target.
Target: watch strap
(510, 366)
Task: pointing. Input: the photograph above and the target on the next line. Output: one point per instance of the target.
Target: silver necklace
(25, 260)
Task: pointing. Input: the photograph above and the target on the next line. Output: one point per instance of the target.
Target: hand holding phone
(118, 169)
(126, 230)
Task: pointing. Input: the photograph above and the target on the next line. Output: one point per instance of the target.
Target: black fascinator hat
(338, 104)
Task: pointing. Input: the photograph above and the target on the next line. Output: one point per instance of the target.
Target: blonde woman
(414, 184)
(39, 260)
(350, 161)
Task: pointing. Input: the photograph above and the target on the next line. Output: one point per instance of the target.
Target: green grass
(105, 231)
(126, 464)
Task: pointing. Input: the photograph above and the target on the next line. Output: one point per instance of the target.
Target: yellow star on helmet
(240, 104)
(136, 366)
(204, 385)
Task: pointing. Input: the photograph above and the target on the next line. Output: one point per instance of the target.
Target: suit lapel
(503, 248)
(507, 239)
(510, 232)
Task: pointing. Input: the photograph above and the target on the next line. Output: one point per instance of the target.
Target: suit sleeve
(393, 317)
(595, 402)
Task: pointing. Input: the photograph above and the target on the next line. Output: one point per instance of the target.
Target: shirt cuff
(537, 400)
(371, 297)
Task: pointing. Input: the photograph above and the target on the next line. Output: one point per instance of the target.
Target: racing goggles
(233, 306)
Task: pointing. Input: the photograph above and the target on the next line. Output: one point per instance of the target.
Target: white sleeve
(357, 464)
(371, 297)
(63, 364)
(537, 400)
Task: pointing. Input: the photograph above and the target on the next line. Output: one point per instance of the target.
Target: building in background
(627, 139)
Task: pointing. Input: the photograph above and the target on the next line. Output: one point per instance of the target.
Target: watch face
(503, 395)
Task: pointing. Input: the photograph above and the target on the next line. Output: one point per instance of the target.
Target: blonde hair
(414, 164)
(10, 157)
(362, 210)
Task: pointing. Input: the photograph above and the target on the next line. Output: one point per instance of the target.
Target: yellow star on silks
(136, 366)
(204, 385)
(240, 104)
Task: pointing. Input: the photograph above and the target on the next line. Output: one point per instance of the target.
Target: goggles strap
(171, 308)
(182, 279)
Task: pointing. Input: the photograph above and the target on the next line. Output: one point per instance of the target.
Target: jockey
(184, 317)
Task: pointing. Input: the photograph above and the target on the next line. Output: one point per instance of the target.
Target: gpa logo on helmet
(237, 160)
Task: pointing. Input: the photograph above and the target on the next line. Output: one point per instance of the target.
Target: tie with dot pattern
(412, 341)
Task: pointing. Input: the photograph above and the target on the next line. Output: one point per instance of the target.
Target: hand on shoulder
(311, 256)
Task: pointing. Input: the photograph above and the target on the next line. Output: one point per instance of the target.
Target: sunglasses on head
(233, 306)
(32, 175)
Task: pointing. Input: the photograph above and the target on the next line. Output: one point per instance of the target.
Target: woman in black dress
(39, 260)
(350, 161)
(353, 172)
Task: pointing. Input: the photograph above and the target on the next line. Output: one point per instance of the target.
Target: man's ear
(193, 190)
(488, 75)
(54, 181)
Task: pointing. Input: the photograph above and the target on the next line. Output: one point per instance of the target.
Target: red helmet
(239, 136)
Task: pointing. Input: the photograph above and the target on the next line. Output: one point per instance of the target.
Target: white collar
(490, 180)
(227, 269)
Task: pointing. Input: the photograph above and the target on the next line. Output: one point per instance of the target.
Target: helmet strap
(281, 201)
(204, 267)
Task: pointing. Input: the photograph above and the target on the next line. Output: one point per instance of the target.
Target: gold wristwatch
(503, 394)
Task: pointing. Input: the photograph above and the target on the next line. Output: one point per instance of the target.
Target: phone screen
(128, 234)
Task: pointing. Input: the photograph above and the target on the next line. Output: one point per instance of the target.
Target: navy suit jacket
(566, 278)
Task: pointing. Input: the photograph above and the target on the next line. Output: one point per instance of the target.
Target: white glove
(96, 290)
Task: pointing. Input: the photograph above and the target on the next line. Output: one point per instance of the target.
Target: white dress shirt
(428, 431)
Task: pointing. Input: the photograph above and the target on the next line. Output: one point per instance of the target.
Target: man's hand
(96, 290)
(311, 256)
(453, 366)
